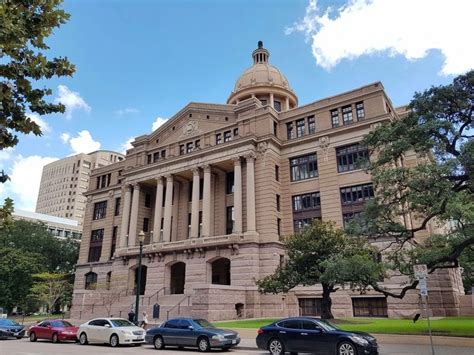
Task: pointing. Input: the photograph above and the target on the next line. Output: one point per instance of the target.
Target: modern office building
(215, 187)
(64, 182)
(57, 226)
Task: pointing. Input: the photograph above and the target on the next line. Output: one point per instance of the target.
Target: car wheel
(83, 339)
(346, 348)
(114, 340)
(276, 347)
(55, 338)
(203, 345)
(33, 337)
(158, 343)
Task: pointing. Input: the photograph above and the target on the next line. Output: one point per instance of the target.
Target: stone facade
(215, 187)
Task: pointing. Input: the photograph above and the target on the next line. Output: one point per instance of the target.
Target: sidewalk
(248, 340)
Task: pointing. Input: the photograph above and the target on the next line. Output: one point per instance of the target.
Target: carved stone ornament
(190, 128)
(262, 148)
(111, 193)
(324, 144)
(89, 199)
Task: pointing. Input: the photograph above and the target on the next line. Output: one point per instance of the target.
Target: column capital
(127, 187)
(169, 177)
(236, 160)
(159, 179)
(136, 185)
(206, 168)
(195, 171)
(250, 156)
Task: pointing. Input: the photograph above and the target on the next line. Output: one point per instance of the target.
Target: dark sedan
(190, 332)
(313, 335)
(11, 329)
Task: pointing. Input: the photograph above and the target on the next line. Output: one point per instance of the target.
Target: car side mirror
(190, 327)
(107, 325)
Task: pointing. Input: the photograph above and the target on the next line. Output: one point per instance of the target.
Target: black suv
(313, 335)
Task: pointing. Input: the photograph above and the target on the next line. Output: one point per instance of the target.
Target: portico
(204, 184)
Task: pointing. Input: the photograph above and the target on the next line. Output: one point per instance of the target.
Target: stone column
(206, 203)
(132, 235)
(287, 103)
(251, 193)
(168, 206)
(127, 196)
(271, 100)
(195, 205)
(158, 210)
(238, 195)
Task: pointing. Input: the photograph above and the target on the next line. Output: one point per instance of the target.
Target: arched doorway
(142, 280)
(220, 271)
(177, 278)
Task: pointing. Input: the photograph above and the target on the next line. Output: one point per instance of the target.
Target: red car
(55, 330)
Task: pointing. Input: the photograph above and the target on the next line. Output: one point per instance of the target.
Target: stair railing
(188, 298)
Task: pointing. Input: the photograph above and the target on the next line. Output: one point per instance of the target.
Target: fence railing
(178, 305)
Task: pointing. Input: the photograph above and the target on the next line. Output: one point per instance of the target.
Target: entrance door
(177, 278)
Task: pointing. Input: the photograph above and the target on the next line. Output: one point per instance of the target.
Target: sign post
(421, 274)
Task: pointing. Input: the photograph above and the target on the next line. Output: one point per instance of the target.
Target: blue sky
(142, 60)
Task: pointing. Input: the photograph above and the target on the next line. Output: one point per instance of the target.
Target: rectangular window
(277, 106)
(117, 206)
(357, 194)
(279, 226)
(103, 181)
(163, 153)
(310, 307)
(311, 125)
(230, 220)
(218, 138)
(181, 149)
(278, 202)
(277, 173)
(351, 216)
(335, 118)
(197, 144)
(306, 202)
(148, 159)
(303, 167)
(147, 200)
(227, 136)
(229, 182)
(189, 225)
(189, 147)
(100, 210)
(347, 114)
(264, 102)
(114, 241)
(275, 129)
(236, 132)
(299, 224)
(348, 155)
(289, 130)
(369, 307)
(146, 224)
(156, 157)
(95, 246)
(360, 113)
(300, 128)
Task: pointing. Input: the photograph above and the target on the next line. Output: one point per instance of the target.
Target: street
(24, 347)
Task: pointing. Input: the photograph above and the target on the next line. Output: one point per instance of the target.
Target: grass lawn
(35, 319)
(452, 326)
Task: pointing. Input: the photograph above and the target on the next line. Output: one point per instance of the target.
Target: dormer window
(277, 106)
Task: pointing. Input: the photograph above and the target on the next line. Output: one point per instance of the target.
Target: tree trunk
(326, 302)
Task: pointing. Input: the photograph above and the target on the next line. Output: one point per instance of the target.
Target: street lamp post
(141, 238)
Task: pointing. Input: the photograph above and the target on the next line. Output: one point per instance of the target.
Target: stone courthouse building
(215, 187)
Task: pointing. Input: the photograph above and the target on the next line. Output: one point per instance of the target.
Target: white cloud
(71, 99)
(25, 179)
(65, 137)
(39, 121)
(158, 122)
(127, 145)
(404, 27)
(6, 154)
(127, 111)
(82, 143)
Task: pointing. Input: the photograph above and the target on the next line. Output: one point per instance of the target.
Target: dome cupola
(264, 82)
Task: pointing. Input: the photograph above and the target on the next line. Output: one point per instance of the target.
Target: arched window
(91, 281)
(221, 271)
(177, 278)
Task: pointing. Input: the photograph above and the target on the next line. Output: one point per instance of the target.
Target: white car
(114, 331)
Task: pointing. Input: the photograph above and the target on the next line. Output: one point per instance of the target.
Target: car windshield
(8, 322)
(327, 326)
(61, 324)
(121, 323)
(204, 323)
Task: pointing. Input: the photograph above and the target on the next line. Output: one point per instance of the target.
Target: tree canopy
(422, 167)
(322, 253)
(24, 27)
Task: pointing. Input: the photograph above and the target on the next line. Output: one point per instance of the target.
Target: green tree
(24, 27)
(48, 288)
(16, 270)
(438, 189)
(323, 254)
(6, 211)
